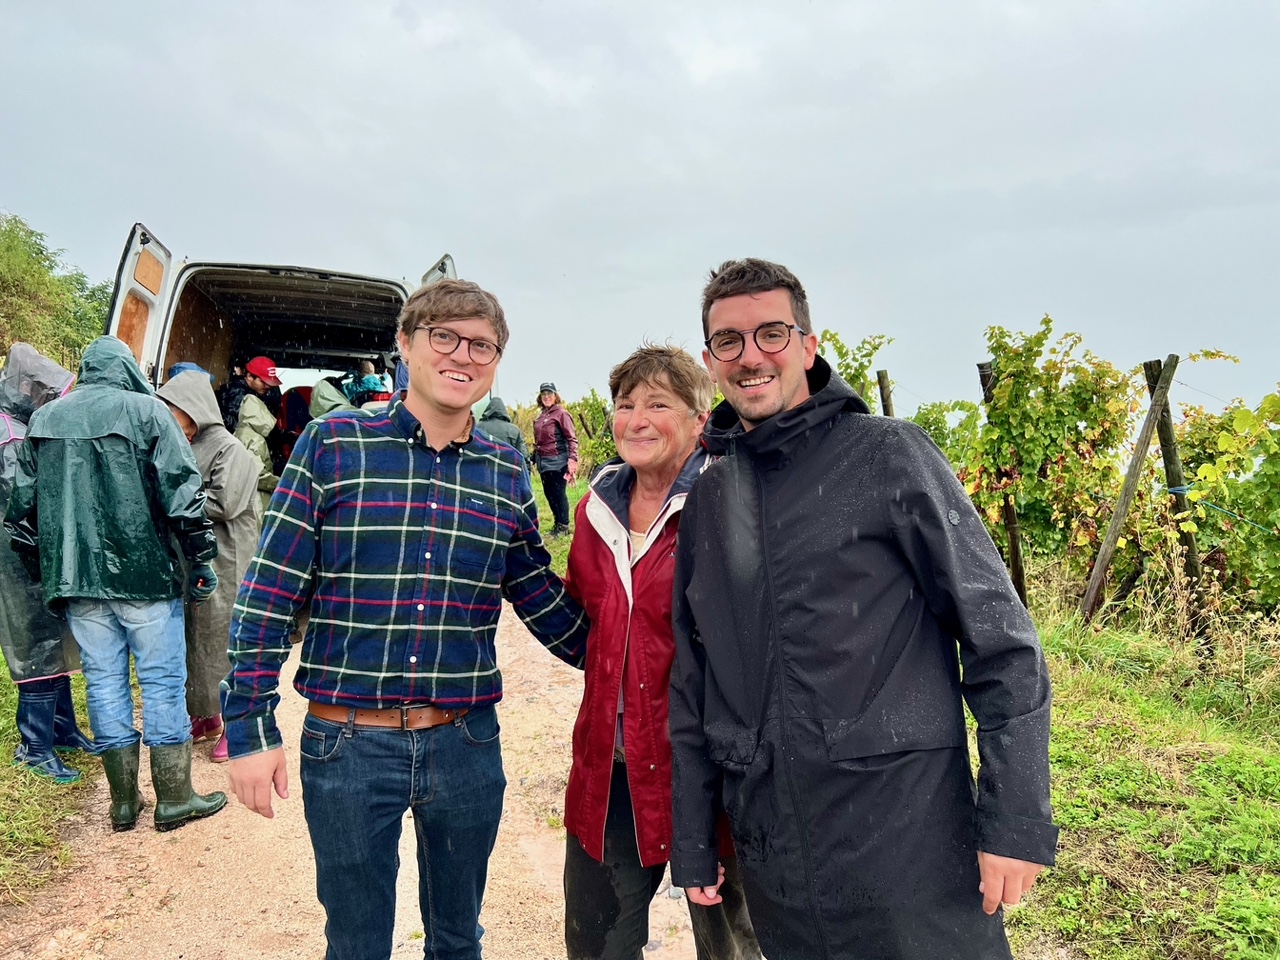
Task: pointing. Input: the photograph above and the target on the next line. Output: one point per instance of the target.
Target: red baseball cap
(263, 369)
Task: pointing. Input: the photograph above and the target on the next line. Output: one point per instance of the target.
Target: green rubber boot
(176, 801)
(121, 766)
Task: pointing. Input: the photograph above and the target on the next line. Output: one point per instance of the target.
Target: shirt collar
(410, 426)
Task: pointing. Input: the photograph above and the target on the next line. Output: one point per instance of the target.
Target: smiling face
(447, 384)
(760, 385)
(654, 430)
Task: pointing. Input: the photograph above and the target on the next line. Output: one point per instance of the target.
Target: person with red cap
(257, 377)
(254, 422)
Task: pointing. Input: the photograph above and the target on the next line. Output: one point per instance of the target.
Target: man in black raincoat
(837, 601)
(38, 649)
(105, 483)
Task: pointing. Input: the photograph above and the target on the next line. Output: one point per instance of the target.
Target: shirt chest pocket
(479, 542)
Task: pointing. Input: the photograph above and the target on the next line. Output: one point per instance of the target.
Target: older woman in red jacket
(621, 568)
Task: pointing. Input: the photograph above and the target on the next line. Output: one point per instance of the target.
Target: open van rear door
(442, 268)
(137, 305)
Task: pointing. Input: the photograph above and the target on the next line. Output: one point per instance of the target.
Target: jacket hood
(828, 396)
(496, 410)
(256, 416)
(191, 393)
(108, 362)
(29, 380)
(326, 398)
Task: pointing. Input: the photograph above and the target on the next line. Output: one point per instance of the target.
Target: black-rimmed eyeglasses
(443, 340)
(771, 337)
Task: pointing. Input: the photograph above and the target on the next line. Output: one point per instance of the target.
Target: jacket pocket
(732, 747)
(897, 729)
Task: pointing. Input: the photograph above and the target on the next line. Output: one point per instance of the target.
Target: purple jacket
(554, 442)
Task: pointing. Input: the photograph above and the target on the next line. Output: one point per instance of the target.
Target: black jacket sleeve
(1004, 678)
(694, 854)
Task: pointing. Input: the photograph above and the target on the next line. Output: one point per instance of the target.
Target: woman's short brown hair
(447, 300)
(668, 366)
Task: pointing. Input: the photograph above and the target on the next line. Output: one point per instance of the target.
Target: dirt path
(238, 886)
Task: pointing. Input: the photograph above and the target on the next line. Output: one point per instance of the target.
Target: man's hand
(253, 777)
(201, 582)
(706, 896)
(572, 473)
(1004, 880)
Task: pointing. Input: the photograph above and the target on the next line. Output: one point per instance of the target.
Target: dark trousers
(606, 915)
(553, 485)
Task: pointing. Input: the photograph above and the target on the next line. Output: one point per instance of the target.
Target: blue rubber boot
(37, 707)
(67, 735)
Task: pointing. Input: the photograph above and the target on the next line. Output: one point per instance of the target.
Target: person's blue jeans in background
(357, 783)
(107, 632)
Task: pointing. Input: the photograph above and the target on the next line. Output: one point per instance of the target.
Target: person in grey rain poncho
(230, 474)
(837, 603)
(38, 648)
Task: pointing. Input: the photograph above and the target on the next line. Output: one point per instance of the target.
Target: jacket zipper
(805, 852)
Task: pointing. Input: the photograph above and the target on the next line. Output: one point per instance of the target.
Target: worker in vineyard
(402, 532)
(837, 601)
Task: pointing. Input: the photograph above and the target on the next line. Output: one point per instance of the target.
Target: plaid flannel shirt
(405, 554)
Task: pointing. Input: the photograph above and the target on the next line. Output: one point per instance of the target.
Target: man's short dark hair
(751, 275)
(449, 299)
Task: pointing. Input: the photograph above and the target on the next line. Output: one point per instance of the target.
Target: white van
(209, 313)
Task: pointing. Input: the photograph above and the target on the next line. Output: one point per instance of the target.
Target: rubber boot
(121, 766)
(37, 704)
(176, 801)
(67, 735)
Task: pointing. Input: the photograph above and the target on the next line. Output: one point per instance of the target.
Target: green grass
(558, 546)
(1167, 789)
(34, 812)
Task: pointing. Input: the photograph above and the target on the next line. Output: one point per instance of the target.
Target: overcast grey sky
(926, 168)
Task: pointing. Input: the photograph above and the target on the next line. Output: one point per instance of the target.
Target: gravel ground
(237, 885)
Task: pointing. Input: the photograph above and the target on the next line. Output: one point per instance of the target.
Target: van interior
(299, 318)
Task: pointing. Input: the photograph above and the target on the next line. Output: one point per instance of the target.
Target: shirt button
(642, 686)
(413, 659)
(654, 766)
(662, 846)
(433, 506)
(422, 606)
(437, 459)
(428, 555)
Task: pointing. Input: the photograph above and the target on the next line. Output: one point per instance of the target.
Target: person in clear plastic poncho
(38, 648)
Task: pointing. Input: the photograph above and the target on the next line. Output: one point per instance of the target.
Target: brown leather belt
(399, 718)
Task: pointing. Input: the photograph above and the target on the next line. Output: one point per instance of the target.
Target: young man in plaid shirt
(403, 530)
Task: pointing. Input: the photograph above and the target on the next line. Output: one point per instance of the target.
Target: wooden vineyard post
(1175, 479)
(1017, 571)
(1159, 397)
(886, 393)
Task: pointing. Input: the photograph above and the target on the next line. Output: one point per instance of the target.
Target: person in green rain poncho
(106, 486)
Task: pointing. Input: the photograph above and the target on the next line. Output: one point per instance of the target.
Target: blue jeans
(107, 632)
(357, 783)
